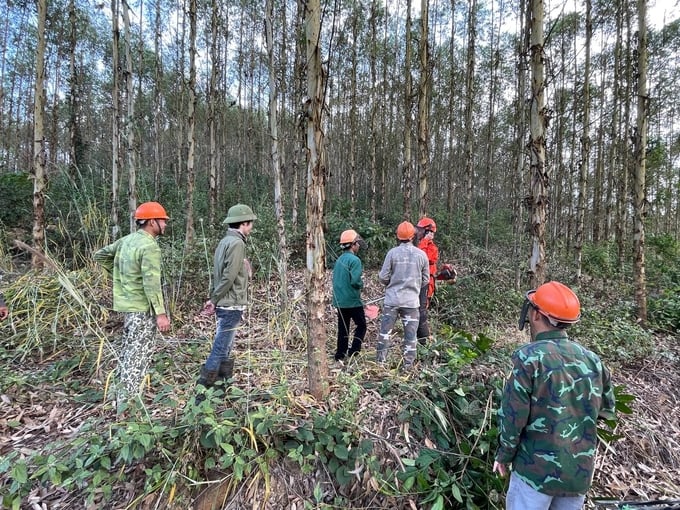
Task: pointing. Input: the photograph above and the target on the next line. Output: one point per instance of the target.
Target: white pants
(521, 496)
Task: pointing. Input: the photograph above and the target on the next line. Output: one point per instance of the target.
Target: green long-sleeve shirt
(548, 416)
(347, 281)
(135, 262)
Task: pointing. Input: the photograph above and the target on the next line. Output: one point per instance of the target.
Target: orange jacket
(432, 252)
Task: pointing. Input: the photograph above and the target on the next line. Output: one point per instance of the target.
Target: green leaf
(20, 472)
(439, 504)
(341, 452)
(455, 491)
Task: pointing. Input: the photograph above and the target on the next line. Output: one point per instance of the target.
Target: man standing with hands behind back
(548, 416)
(135, 262)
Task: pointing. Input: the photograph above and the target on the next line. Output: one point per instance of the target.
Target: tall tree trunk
(75, 135)
(469, 122)
(317, 370)
(494, 63)
(130, 120)
(374, 95)
(301, 126)
(353, 118)
(116, 157)
(585, 148)
(212, 111)
(517, 180)
(423, 106)
(624, 185)
(538, 122)
(274, 154)
(640, 166)
(39, 161)
(158, 74)
(191, 129)
(452, 117)
(408, 121)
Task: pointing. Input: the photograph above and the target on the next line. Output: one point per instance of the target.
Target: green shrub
(16, 197)
(664, 310)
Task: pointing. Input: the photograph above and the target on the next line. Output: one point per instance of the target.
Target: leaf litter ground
(38, 408)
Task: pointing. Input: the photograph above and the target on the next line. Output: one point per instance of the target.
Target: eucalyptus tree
(469, 116)
(274, 153)
(539, 176)
(640, 150)
(407, 172)
(423, 107)
(585, 145)
(520, 131)
(39, 172)
(129, 120)
(317, 367)
(116, 156)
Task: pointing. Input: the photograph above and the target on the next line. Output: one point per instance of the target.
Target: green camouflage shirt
(135, 261)
(553, 397)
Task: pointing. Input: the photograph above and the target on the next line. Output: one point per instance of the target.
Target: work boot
(207, 377)
(226, 369)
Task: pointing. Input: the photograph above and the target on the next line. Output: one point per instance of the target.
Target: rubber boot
(206, 379)
(226, 369)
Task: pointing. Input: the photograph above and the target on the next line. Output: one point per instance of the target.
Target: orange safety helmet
(151, 211)
(557, 302)
(348, 236)
(427, 224)
(406, 231)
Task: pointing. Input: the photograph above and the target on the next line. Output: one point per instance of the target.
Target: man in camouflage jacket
(135, 262)
(548, 416)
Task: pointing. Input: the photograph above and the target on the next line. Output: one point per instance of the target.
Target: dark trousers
(345, 317)
(423, 326)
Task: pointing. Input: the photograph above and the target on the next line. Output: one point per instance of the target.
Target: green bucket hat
(239, 213)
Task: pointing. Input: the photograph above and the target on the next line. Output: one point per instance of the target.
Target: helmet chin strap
(523, 315)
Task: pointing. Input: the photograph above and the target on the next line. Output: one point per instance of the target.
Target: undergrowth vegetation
(383, 438)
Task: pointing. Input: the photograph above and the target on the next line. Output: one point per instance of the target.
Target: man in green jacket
(347, 285)
(229, 293)
(553, 398)
(135, 262)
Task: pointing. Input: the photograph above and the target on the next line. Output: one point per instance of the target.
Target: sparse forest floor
(52, 396)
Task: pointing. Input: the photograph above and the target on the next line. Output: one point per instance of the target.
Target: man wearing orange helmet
(404, 273)
(135, 262)
(548, 416)
(427, 228)
(347, 285)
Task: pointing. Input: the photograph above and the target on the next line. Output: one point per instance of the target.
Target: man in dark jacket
(229, 293)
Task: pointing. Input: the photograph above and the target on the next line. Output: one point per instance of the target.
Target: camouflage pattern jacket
(548, 416)
(135, 261)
